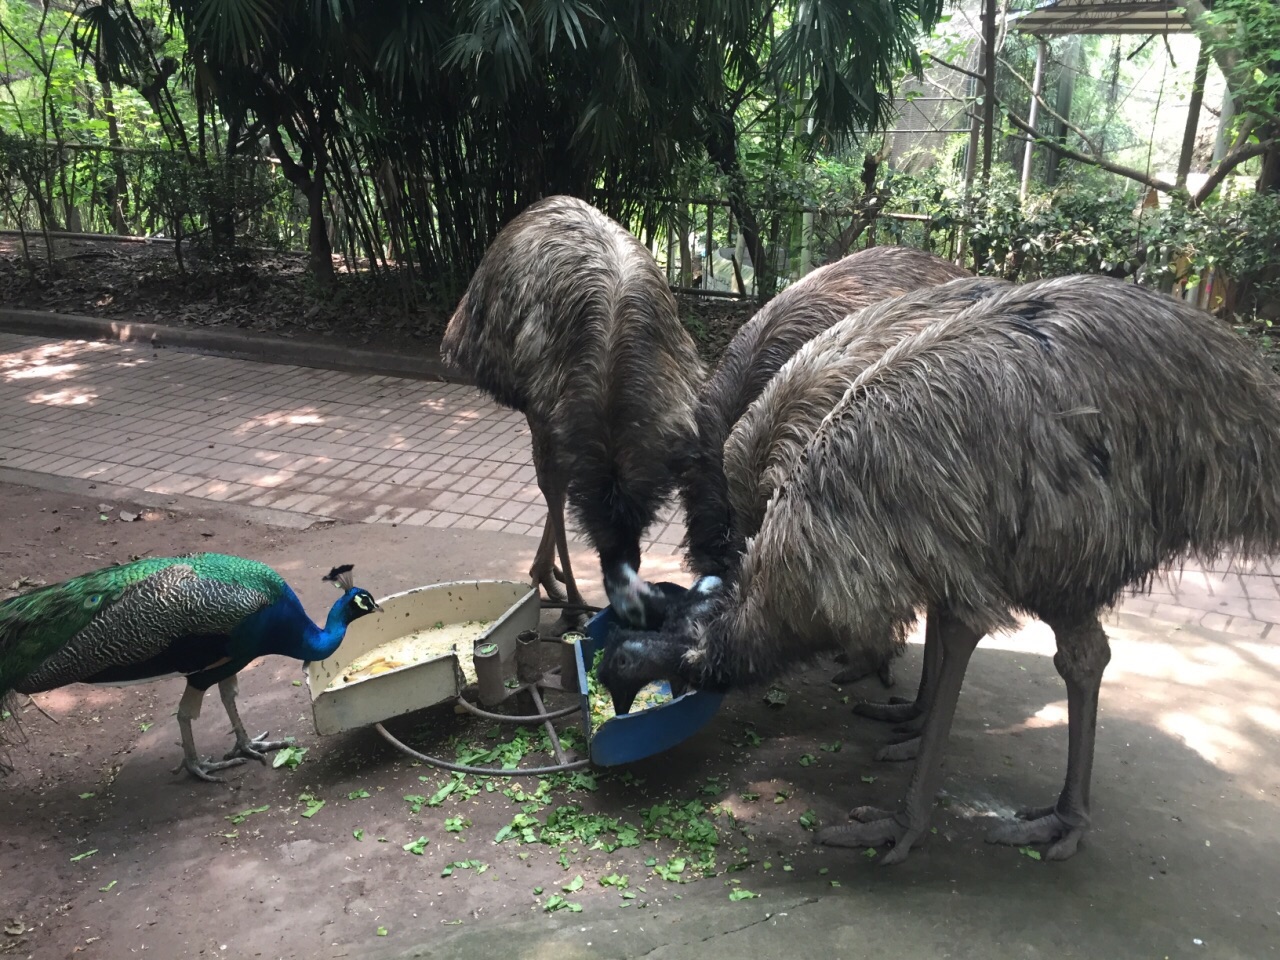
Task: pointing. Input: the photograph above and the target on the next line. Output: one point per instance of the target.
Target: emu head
(634, 658)
(637, 603)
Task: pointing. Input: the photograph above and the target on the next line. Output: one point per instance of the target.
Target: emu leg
(1083, 654)
(188, 710)
(898, 710)
(910, 824)
(543, 572)
(255, 748)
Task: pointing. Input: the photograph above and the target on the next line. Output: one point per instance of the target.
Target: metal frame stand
(493, 690)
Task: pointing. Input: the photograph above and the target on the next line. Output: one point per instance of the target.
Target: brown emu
(771, 435)
(569, 320)
(1041, 452)
(757, 351)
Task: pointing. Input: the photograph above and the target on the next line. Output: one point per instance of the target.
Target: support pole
(1037, 85)
(1193, 116)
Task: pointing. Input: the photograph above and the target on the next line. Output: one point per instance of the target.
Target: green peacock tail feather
(36, 625)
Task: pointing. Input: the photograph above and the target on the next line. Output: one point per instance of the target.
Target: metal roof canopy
(1069, 17)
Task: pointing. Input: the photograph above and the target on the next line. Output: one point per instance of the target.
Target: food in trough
(420, 646)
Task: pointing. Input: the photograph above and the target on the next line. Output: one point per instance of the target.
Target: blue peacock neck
(320, 643)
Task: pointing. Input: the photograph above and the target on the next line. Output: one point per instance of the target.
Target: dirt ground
(106, 853)
(271, 295)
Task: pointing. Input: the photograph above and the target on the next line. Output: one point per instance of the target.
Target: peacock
(205, 616)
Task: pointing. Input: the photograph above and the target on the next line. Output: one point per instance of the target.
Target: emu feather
(756, 353)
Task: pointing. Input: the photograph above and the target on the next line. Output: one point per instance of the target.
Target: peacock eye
(361, 602)
(93, 600)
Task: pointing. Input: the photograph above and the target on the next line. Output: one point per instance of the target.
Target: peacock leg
(910, 825)
(898, 710)
(188, 710)
(256, 748)
(1083, 654)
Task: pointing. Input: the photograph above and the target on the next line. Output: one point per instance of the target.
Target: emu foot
(896, 710)
(874, 827)
(906, 749)
(203, 769)
(255, 749)
(1044, 825)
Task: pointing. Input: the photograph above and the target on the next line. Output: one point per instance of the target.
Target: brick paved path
(359, 447)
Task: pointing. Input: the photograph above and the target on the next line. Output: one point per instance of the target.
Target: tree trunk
(317, 233)
(988, 87)
(117, 193)
(1269, 178)
(722, 148)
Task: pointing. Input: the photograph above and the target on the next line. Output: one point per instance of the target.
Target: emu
(569, 320)
(715, 532)
(769, 438)
(1039, 452)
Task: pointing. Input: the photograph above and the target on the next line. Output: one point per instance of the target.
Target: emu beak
(623, 700)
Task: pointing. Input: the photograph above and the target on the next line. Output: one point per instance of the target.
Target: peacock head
(355, 602)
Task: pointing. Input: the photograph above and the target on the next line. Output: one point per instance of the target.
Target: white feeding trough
(418, 651)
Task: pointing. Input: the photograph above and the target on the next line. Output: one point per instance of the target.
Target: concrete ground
(1182, 861)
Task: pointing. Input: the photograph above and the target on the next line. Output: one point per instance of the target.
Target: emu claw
(906, 749)
(879, 827)
(255, 749)
(202, 769)
(1042, 826)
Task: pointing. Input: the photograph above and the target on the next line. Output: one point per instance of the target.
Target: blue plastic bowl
(634, 736)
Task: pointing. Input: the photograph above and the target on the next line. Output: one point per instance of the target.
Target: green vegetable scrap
(314, 805)
(741, 894)
(476, 865)
(416, 847)
(107, 888)
(80, 856)
(290, 757)
(809, 820)
(357, 794)
(556, 902)
(1029, 852)
(243, 815)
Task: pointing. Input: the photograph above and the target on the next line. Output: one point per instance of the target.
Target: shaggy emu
(1039, 452)
(569, 320)
(755, 354)
(771, 435)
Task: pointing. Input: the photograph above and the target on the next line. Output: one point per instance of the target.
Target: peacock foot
(896, 710)
(874, 827)
(1063, 832)
(203, 769)
(255, 749)
(902, 750)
